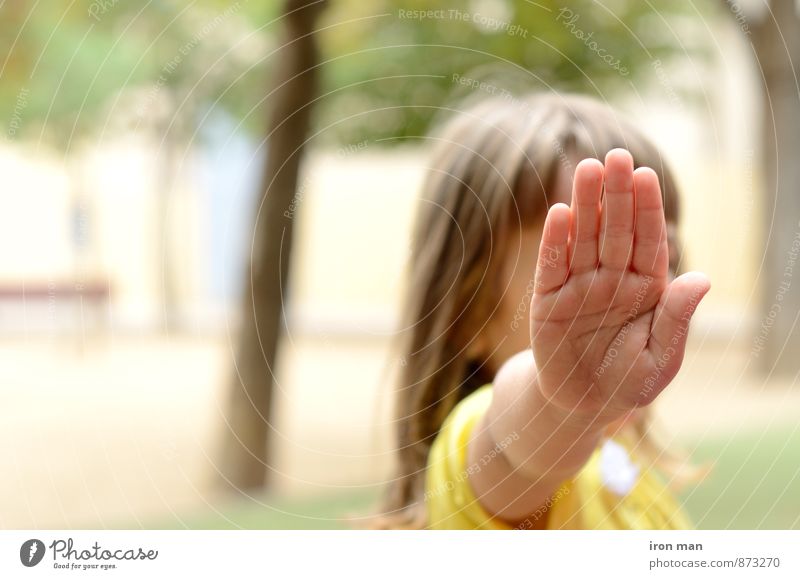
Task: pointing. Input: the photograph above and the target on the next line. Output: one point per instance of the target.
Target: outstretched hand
(608, 327)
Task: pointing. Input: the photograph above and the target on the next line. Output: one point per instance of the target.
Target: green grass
(754, 484)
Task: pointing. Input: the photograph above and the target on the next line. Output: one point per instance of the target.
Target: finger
(616, 221)
(552, 268)
(586, 190)
(650, 249)
(670, 328)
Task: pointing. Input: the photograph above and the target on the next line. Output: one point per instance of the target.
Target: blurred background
(206, 209)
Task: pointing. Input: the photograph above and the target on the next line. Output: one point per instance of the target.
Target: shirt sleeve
(449, 500)
(595, 498)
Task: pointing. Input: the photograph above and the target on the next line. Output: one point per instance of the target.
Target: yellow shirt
(610, 492)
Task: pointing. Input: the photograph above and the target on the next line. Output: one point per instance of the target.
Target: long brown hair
(492, 167)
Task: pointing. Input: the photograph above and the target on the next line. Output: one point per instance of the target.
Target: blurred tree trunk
(775, 39)
(244, 460)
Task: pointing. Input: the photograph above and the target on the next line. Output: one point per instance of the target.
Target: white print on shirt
(617, 472)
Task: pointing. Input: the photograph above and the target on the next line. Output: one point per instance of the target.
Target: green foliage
(514, 45)
(67, 66)
(387, 70)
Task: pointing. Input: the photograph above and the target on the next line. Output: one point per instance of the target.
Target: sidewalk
(125, 431)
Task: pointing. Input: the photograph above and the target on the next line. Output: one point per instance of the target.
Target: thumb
(670, 327)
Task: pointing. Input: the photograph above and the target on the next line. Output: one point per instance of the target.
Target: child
(534, 338)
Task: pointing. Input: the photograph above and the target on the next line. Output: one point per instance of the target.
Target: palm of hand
(608, 330)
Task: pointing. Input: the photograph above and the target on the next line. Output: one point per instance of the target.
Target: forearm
(548, 444)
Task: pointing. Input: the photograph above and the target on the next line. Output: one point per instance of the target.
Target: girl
(542, 318)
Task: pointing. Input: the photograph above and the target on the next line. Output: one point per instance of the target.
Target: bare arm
(549, 446)
(602, 284)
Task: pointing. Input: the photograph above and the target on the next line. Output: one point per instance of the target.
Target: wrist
(551, 442)
(578, 416)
